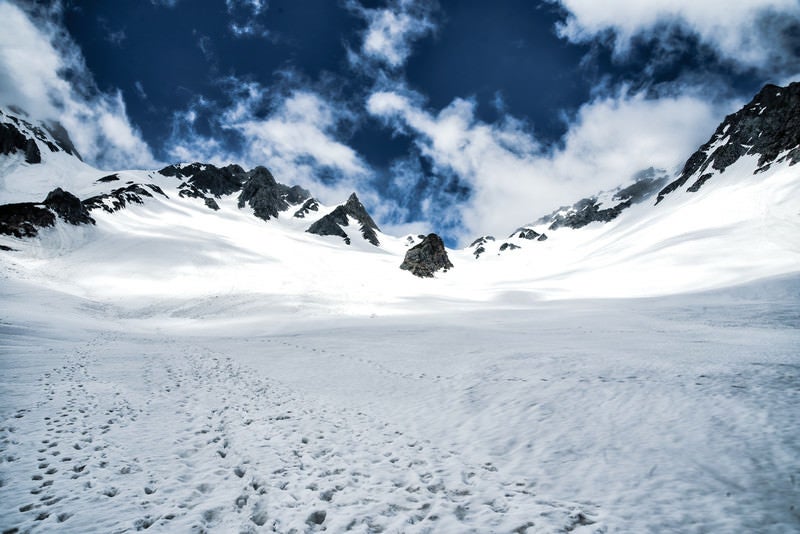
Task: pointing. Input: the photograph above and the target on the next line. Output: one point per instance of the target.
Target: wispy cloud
(36, 56)
(245, 16)
(761, 34)
(294, 132)
(512, 179)
(391, 31)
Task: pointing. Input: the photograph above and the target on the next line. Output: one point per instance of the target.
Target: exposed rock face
(68, 207)
(426, 258)
(109, 178)
(310, 205)
(209, 179)
(257, 188)
(332, 223)
(25, 219)
(768, 127)
(19, 135)
(62, 139)
(478, 245)
(120, 198)
(526, 233)
(12, 140)
(266, 196)
(589, 210)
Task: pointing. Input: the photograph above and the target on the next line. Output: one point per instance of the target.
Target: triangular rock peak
(332, 223)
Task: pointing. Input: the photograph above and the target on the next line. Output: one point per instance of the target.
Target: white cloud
(391, 31)
(254, 6)
(296, 138)
(34, 57)
(299, 129)
(514, 180)
(750, 33)
(140, 90)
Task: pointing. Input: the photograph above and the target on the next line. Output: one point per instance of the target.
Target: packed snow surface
(672, 414)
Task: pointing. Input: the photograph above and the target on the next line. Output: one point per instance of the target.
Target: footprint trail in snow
(134, 434)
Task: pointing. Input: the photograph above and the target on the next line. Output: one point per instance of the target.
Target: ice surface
(648, 415)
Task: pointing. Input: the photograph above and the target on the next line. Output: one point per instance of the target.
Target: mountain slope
(194, 231)
(767, 127)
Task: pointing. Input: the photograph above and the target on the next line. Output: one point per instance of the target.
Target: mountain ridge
(575, 232)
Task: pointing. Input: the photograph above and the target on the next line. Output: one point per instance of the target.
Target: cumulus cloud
(759, 34)
(294, 133)
(44, 74)
(512, 179)
(392, 30)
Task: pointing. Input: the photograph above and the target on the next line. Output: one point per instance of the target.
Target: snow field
(670, 414)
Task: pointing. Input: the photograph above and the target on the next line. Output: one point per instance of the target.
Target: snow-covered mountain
(200, 222)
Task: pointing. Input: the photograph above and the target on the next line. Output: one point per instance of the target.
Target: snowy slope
(727, 233)
(655, 415)
(738, 225)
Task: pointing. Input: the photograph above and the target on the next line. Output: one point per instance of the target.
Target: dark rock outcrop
(12, 140)
(332, 223)
(478, 245)
(589, 210)
(525, 233)
(61, 137)
(25, 219)
(257, 188)
(208, 179)
(109, 178)
(120, 198)
(427, 257)
(584, 212)
(266, 196)
(68, 207)
(17, 134)
(508, 246)
(767, 127)
(310, 205)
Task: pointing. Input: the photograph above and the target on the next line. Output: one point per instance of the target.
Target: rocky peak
(208, 179)
(427, 257)
(68, 207)
(332, 223)
(266, 196)
(606, 205)
(20, 135)
(767, 127)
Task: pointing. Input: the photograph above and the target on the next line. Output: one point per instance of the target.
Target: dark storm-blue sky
(458, 116)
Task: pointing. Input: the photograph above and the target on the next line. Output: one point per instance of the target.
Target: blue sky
(463, 117)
